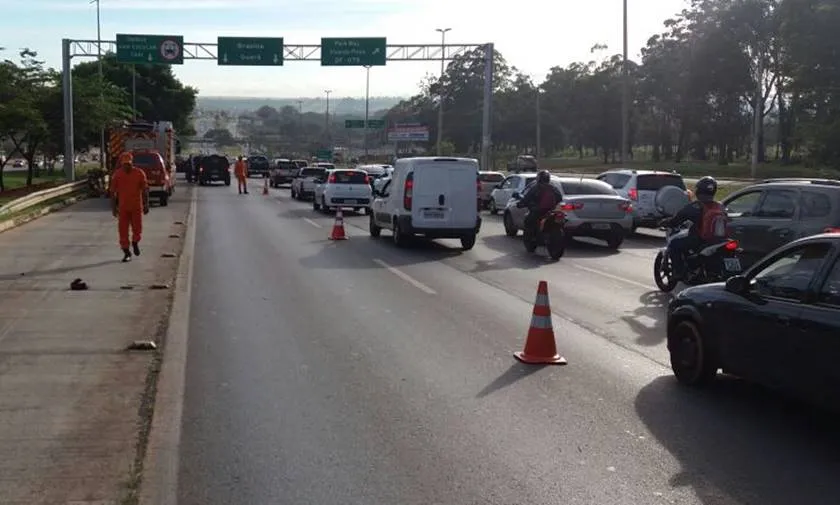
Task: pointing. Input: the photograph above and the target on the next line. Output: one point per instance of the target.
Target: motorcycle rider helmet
(543, 177)
(705, 189)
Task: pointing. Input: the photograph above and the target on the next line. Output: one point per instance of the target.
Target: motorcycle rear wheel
(557, 245)
(663, 273)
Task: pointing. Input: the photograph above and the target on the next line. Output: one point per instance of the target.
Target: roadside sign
(250, 51)
(150, 49)
(408, 134)
(376, 123)
(354, 123)
(324, 154)
(353, 52)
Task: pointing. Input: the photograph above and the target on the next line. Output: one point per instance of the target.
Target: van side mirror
(737, 284)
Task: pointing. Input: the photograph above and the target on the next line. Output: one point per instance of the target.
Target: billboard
(408, 133)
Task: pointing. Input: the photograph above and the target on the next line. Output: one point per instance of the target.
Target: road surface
(334, 373)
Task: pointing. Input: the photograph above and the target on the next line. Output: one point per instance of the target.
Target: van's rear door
(445, 193)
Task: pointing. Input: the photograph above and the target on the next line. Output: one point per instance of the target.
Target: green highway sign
(324, 154)
(354, 123)
(376, 123)
(250, 51)
(353, 52)
(150, 49)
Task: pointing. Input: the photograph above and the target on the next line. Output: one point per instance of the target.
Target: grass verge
(37, 210)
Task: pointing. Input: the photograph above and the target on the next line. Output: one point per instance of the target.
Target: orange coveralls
(240, 170)
(128, 188)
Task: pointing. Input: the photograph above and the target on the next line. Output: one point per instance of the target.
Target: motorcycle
(551, 233)
(711, 263)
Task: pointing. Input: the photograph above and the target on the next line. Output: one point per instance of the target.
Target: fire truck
(154, 146)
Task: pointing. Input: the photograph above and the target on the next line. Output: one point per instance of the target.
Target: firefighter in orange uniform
(240, 170)
(129, 202)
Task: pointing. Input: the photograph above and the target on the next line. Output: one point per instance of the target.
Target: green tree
(221, 137)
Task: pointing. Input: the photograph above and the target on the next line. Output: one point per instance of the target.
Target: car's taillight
(568, 207)
(478, 193)
(832, 229)
(626, 207)
(367, 179)
(408, 191)
(633, 194)
(731, 245)
(331, 179)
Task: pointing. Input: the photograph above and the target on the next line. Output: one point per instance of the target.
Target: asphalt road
(352, 372)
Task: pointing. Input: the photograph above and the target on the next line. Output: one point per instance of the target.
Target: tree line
(692, 95)
(31, 106)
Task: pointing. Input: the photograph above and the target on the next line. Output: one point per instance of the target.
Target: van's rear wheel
(468, 241)
(375, 230)
(399, 237)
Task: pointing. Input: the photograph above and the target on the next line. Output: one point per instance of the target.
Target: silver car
(489, 181)
(592, 208)
(500, 196)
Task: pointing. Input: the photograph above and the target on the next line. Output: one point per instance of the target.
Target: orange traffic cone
(540, 348)
(265, 187)
(338, 227)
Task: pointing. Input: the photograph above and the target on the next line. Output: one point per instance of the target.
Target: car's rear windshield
(655, 182)
(301, 163)
(286, 165)
(347, 177)
(491, 177)
(215, 162)
(260, 159)
(312, 172)
(326, 166)
(586, 188)
(147, 160)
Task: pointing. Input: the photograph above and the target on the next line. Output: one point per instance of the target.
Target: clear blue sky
(533, 35)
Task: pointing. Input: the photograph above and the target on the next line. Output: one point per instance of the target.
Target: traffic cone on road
(338, 227)
(540, 348)
(265, 187)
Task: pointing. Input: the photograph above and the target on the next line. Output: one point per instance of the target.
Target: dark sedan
(777, 325)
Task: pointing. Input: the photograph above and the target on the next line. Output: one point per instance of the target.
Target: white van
(430, 196)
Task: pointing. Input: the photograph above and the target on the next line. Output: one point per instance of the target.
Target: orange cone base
(341, 237)
(540, 360)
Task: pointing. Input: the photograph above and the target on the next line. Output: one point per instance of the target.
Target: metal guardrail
(38, 197)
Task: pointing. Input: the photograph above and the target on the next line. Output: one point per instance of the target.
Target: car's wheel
(399, 237)
(468, 241)
(492, 207)
(315, 205)
(324, 204)
(691, 361)
(375, 230)
(227, 181)
(294, 195)
(510, 229)
(614, 241)
(164, 200)
(663, 273)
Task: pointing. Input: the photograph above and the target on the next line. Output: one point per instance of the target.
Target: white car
(304, 182)
(429, 196)
(343, 188)
(501, 195)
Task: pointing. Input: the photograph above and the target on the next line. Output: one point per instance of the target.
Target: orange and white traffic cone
(540, 348)
(338, 227)
(265, 187)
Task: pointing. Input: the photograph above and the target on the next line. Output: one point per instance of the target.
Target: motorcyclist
(707, 217)
(540, 199)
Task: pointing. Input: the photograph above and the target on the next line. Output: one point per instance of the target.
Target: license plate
(601, 226)
(732, 264)
(433, 214)
(350, 202)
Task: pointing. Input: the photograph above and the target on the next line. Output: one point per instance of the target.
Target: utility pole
(539, 125)
(367, 107)
(757, 117)
(134, 91)
(625, 106)
(101, 80)
(300, 124)
(327, 117)
(440, 86)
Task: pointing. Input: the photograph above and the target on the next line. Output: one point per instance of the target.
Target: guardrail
(38, 197)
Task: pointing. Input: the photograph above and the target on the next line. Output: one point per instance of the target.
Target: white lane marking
(313, 223)
(407, 278)
(613, 277)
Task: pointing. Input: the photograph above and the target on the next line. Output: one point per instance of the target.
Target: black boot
(126, 255)
(136, 248)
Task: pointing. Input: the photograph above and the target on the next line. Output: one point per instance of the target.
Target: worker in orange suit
(129, 203)
(240, 170)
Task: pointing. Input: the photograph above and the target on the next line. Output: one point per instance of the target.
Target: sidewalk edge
(159, 485)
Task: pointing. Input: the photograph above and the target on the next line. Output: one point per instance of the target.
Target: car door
(741, 209)
(820, 344)
(765, 325)
(506, 190)
(381, 213)
(815, 213)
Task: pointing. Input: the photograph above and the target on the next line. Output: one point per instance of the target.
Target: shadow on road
(654, 308)
(738, 443)
(55, 271)
(516, 372)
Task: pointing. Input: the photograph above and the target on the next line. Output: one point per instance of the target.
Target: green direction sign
(353, 52)
(324, 154)
(376, 123)
(150, 49)
(354, 123)
(250, 51)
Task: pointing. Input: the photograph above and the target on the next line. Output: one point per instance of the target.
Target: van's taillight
(408, 191)
(626, 207)
(331, 179)
(367, 179)
(832, 229)
(731, 245)
(633, 194)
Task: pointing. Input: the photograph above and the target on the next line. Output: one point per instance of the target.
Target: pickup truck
(523, 163)
(283, 172)
(258, 165)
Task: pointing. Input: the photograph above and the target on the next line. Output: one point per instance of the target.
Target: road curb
(159, 485)
(31, 216)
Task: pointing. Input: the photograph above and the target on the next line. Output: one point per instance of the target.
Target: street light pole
(625, 106)
(327, 117)
(539, 126)
(440, 86)
(367, 107)
(101, 78)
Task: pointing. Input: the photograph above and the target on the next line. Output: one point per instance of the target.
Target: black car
(214, 168)
(258, 165)
(777, 325)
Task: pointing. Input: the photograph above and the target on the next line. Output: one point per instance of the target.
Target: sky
(532, 35)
